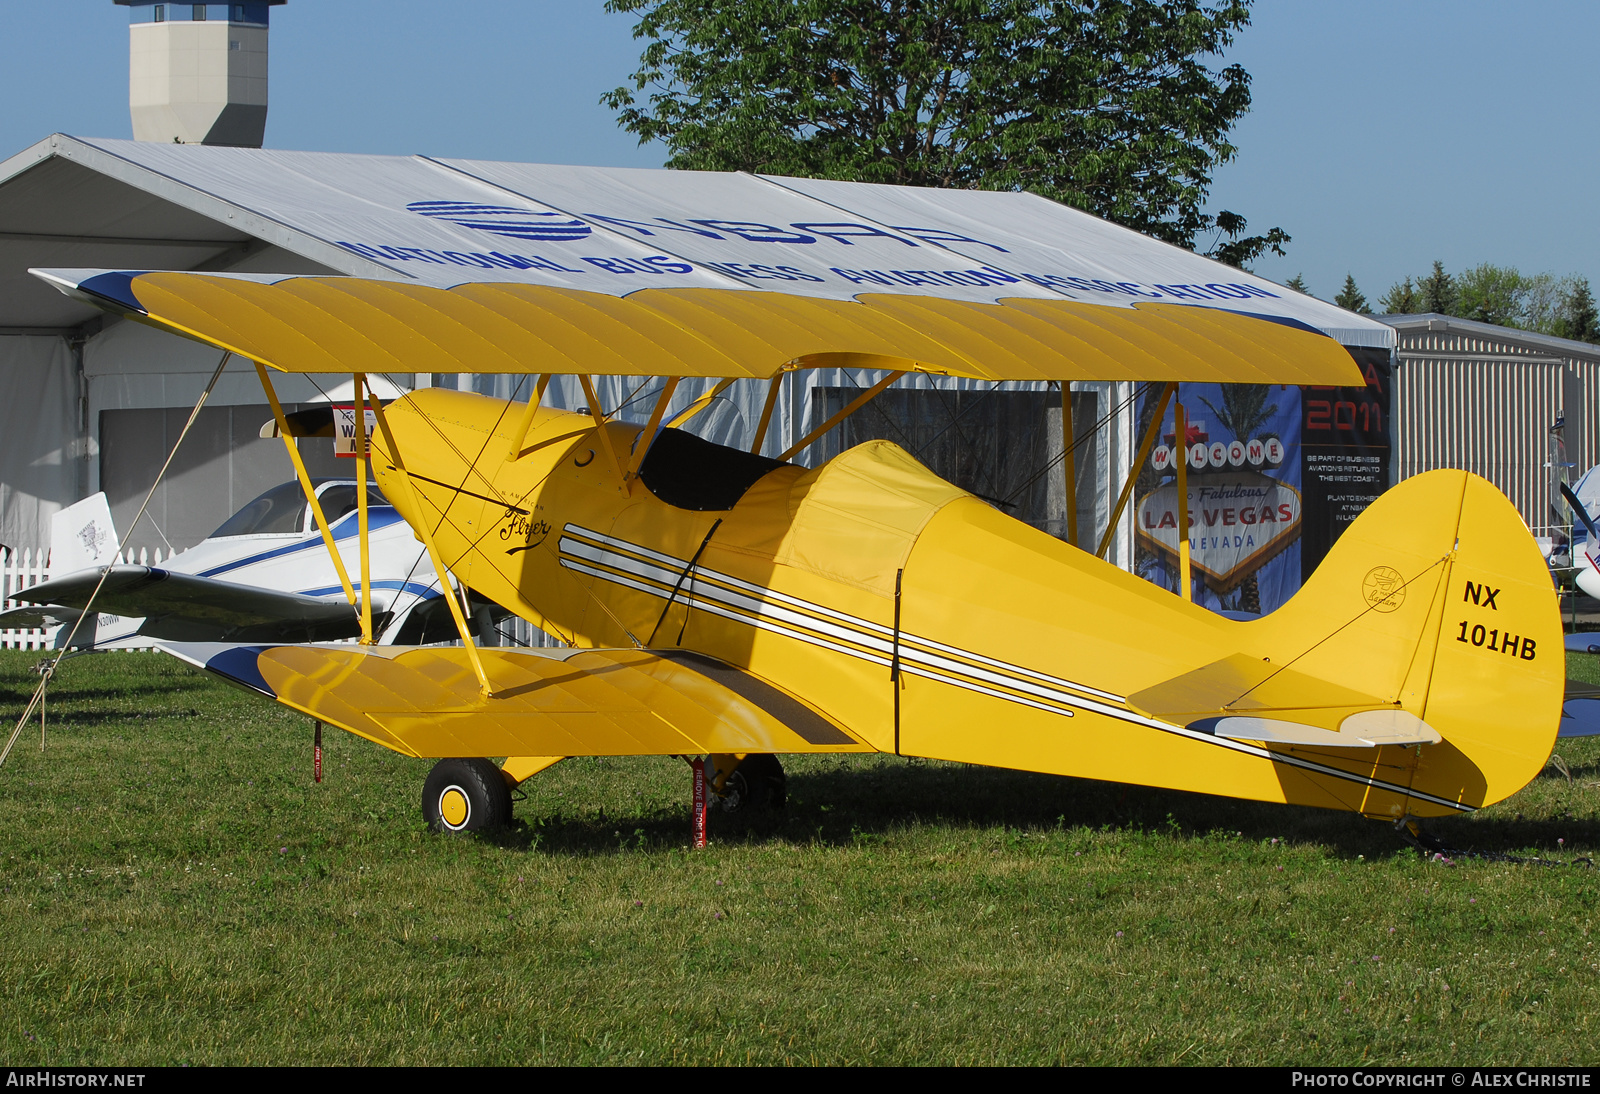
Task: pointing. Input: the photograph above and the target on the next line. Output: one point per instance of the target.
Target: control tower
(197, 73)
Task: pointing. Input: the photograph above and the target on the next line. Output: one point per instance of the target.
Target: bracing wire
(1079, 442)
(37, 701)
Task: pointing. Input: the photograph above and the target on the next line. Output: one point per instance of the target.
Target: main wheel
(757, 783)
(466, 795)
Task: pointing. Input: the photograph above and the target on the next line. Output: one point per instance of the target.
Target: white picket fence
(23, 569)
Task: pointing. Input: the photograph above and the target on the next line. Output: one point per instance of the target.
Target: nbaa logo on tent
(504, 220)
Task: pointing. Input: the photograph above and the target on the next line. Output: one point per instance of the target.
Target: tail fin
(82, 535)
(1436, 599)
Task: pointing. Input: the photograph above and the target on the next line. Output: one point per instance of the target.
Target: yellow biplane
(719, 602)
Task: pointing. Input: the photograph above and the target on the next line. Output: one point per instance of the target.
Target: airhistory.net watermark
(45, 1077)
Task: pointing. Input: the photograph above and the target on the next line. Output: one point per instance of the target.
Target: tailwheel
(756, 783)
(466, 795)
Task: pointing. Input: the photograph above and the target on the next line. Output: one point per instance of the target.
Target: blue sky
(1384, 135)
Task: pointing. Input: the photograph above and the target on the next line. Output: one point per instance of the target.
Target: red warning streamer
(316, 755)
(698, 817)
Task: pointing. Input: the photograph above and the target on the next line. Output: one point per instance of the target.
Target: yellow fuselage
(1006, 646)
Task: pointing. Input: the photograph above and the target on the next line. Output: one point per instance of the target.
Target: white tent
(443, 223)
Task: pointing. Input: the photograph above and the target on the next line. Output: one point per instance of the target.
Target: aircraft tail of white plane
(83, 535)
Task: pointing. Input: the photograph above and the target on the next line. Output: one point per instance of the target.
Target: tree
(1577, 318)
(1232, 246)
(1438, 291)
(1492, 294)
(1540, 304)
(1401, 299)
(1106, 105)
(1298, 284)
(1350, 298)
(1504, 296)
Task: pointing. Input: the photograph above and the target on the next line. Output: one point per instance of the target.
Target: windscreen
(339, 499)
(283, 508)
(280, 509)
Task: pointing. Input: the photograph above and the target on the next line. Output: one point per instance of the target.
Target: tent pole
(1152, 431)
(1181, 422)
(305, 481)
(426, 535)
(1071, 469)
(860, 401)
(773, 387)
(359, 410)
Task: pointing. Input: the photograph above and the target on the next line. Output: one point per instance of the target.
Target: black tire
(466, 795)
(758, 784)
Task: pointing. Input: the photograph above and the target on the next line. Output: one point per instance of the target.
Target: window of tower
(251, 13)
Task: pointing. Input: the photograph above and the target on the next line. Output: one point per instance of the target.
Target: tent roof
(68, 202)
(465, 248)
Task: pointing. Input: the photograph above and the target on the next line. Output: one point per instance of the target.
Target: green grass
(175, 889)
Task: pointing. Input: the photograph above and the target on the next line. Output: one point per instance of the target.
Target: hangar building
(1487, 398)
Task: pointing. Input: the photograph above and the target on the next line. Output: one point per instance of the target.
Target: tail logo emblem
(1384, 588)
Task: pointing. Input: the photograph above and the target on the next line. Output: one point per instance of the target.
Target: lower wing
(424, 701)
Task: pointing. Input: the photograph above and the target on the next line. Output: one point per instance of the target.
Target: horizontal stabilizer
(1251, 687)
(315, 421)
(1364, 729)
(425, 700)
(1584, 642)
(46, 616)
(187, 608)
(83, 637)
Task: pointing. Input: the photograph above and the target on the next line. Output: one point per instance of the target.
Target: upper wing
(424, 701)
(183, 607)
(321, 324)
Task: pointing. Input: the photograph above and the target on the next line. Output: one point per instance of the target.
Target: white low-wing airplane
(1584, 499)
(264, 575)
(1580, 712)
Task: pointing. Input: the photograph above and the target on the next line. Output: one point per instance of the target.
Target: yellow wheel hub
(453, 807)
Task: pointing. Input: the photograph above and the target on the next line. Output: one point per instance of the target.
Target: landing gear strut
(466, 795)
